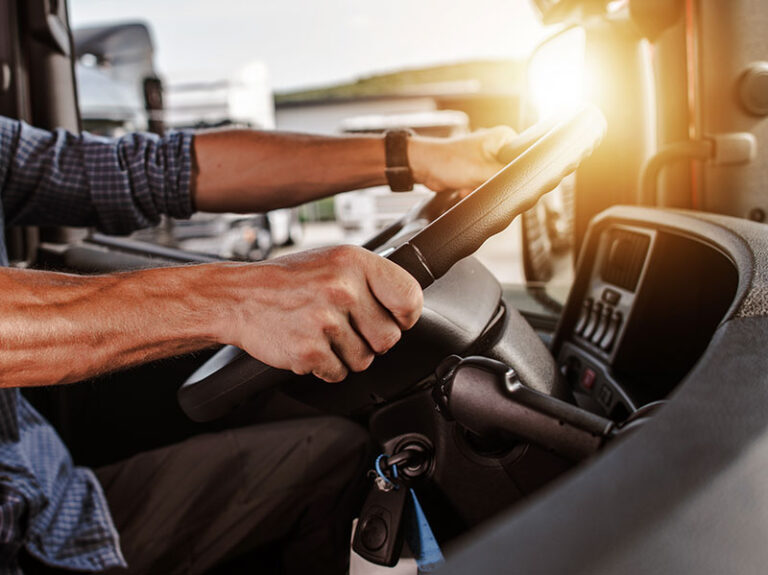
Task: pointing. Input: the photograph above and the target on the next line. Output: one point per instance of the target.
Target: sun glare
(557, 78)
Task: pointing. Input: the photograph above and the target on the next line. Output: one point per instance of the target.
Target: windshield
(439, 67)
(305, 43)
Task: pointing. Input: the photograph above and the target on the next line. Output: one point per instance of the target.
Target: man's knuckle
(415, 297)
(340, 294)
(344, 255)
(319, 320)
(387, 340)
(410, 302)
(310, 356)
(332, 329)
(301, 363)
(361, 362)
(301, 369)
(331, 374)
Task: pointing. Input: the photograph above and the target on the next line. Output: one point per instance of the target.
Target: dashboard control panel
(644, 304)
(614, 281)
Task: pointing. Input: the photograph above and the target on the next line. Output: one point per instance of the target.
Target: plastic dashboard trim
(686, 493)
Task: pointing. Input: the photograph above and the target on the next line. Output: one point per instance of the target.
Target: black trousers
(268, 498)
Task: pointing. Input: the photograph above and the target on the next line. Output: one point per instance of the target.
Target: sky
(307, 43)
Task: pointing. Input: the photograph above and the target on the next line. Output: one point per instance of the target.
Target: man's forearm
(57, 328)
(325, 311)
(250, 171)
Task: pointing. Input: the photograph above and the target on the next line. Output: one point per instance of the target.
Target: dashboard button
(603, 324)
(586, 309)
(606, 396)
(609, 338)
(594, 321)
(587, 380)
(570, 370)
(611, 296)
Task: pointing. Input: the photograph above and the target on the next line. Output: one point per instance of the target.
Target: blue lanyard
(418, 533)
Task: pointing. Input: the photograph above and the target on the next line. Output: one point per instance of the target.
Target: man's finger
(519, 143)
(375, 324)
(396, 290)
(351, 348)
(330, 369)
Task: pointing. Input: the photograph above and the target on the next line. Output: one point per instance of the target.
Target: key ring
(380, 472)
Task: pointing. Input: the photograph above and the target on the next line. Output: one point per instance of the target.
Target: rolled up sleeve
(115, 184)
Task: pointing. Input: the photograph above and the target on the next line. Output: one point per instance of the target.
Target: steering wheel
(549, 153)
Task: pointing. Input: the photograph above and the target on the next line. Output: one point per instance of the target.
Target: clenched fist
(326, 312)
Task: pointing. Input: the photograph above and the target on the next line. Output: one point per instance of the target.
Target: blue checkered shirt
(55, 510)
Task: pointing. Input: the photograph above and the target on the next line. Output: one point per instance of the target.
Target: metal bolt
(5, 77)
(757, 215)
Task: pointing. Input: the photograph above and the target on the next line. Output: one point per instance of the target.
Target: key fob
(379, 534)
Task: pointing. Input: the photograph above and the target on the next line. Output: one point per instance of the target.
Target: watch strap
(398, 170)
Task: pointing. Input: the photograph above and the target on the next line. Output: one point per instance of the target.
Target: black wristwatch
(398, 171)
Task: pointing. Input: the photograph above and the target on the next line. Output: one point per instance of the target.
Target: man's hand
(325, 312)
(460, 163)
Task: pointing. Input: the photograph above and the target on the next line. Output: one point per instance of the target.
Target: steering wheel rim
(232, 376)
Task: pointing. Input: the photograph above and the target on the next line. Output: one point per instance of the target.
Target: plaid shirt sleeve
(117, 185)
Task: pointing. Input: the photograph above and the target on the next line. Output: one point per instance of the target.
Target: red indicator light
(588, 379)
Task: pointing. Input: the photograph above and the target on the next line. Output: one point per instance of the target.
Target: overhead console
(646, 300)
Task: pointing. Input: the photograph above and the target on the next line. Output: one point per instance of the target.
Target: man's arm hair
(252, 171)
(60, 328)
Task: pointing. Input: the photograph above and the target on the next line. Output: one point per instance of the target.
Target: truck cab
(604, 414)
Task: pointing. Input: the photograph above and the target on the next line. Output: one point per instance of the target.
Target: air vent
(623, 260)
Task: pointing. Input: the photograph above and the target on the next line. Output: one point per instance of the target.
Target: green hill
(491, 76)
